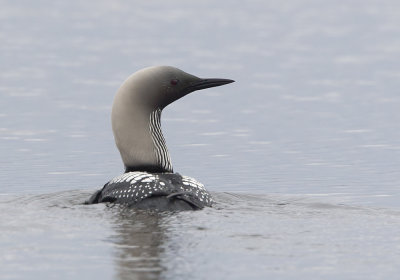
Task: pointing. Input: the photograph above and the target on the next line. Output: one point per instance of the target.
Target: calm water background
(302, 153)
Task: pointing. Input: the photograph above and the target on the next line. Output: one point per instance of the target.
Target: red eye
(174, 82)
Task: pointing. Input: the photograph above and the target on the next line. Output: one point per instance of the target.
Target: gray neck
(137, 132)
(160, 147)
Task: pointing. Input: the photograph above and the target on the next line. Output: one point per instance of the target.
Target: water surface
(301, 153)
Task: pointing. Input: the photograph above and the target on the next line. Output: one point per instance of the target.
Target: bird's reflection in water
(139, 240)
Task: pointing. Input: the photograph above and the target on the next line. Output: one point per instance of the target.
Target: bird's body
(149, 181)
(139, 188)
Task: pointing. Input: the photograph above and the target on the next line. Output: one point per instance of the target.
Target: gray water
(301, 153)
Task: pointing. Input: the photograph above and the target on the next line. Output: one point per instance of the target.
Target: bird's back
(162, 191)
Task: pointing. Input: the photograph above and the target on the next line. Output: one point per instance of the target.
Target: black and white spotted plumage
(136, 188)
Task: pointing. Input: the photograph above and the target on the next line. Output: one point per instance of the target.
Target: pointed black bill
(208, 83)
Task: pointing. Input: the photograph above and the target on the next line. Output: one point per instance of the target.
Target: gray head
(137, 110)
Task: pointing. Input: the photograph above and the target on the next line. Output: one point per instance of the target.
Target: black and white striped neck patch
(160, 147)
